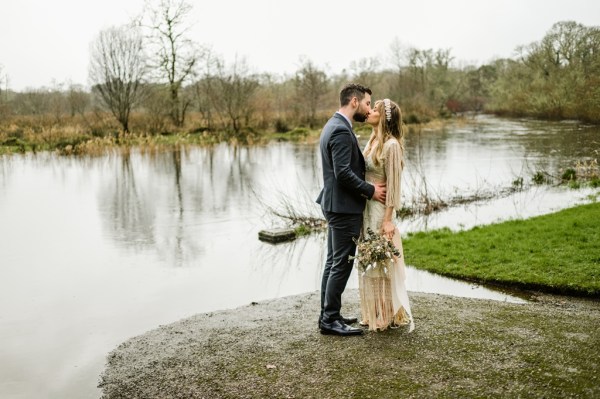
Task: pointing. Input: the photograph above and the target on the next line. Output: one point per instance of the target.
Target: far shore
(76, 139)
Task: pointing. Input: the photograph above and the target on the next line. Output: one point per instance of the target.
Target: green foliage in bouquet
(373, 250)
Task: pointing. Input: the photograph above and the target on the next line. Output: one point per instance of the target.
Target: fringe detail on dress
(381, 293)
(376, 302)
(376, 306)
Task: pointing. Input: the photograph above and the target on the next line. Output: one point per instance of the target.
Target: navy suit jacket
(344, 186)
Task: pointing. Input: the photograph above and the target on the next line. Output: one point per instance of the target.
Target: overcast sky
(47, 41)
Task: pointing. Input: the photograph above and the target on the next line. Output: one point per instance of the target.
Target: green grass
(558, 253)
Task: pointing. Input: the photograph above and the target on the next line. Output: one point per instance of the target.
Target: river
(95, 250)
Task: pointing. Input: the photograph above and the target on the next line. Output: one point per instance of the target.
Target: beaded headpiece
(388, 109)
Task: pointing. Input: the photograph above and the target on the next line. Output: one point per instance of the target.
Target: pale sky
(47, 41)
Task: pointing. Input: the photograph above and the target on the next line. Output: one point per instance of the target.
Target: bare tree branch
(118, 69)
(176, 55)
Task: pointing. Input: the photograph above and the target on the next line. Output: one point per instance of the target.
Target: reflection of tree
(554, 144)
(180, 203)
(521, 146)
(536, 145)
(200, 188)
(177, 240)
(130, 214)
(5, 171)
(179, 236)
(236, 172)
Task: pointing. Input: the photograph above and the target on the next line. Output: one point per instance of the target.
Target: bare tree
(204, 89)
(177, 55)
(398, 61)
(235, 89)
(57, 102)
(398, 55)
(365, 70)
(156, 104)
(33, 102)
(311, 85)
(117, 70)
(78, 99)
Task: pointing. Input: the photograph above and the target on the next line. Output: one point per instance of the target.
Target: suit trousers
(343, 227)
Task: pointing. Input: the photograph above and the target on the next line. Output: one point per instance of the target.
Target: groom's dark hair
(353, 90)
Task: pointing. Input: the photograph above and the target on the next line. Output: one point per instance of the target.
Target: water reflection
(95, 250)
(129, 215)
(472, 156)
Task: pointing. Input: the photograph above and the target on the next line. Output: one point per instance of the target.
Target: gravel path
(462, 348)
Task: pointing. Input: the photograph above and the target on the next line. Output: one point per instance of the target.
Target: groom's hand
(380, 192)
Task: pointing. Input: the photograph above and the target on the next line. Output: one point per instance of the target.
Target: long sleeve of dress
(393, 171)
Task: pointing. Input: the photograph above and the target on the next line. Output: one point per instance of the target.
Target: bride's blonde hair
(390, 125)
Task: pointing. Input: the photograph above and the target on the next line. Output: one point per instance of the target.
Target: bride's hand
(388, 229)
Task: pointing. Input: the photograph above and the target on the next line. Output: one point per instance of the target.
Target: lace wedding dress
(383, 298)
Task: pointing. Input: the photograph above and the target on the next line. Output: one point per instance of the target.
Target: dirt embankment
(461, 347)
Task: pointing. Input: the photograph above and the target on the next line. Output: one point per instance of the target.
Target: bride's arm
(393, 172)
(387, 227)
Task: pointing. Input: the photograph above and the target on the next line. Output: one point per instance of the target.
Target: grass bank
(461, 348)
(559, 252)
(80, 141)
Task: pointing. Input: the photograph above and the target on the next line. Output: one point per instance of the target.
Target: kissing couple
(361, 190)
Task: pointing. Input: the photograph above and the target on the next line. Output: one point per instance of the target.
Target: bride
(383, 299)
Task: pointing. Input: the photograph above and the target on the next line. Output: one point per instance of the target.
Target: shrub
(302, 230)
(412, 119)
(574, 184)
(538, 178)
(299, 131)
(281, 126)
(518, 183)
(569, 174)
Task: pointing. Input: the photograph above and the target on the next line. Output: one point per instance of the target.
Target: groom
(342, 200)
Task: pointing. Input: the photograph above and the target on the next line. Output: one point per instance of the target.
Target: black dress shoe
(338, 327)
(350, 320)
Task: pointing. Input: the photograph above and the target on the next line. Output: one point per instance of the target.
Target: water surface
(96, 250)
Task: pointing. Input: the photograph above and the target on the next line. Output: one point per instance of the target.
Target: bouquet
(373, 250)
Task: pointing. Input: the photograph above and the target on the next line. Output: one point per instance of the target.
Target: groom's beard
(359, 117)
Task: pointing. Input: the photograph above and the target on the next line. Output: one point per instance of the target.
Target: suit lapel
(361, 158)
(345, 122)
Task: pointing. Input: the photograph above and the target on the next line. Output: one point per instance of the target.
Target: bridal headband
(388, 109)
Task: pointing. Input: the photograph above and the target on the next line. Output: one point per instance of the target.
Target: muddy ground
(461, 348)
